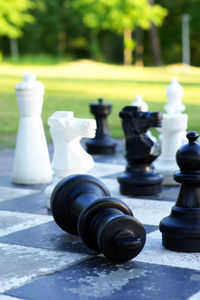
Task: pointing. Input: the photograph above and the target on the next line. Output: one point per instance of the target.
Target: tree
(13, 16)
(43, 35)
(120, 16)
(171, 35)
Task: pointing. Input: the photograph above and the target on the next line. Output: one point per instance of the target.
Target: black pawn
(181, 229)
(81, 204)
(140, 176)
(103, 143)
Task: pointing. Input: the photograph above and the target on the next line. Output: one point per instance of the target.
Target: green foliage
(44, 35)
(118, 15)
(94, 28)
(13, 16)
(129, 44)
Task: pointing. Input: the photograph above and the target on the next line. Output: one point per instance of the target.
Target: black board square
(33, 204)
(100, 279)
(47, 236)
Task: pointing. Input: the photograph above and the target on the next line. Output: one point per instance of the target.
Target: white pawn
(173, 131)
(31, 160)
(69, 156)
(138, 101)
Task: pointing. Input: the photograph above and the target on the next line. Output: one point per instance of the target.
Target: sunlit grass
(73, 85)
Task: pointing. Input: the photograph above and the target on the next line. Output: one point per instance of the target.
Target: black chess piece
(181, 229)
(140, 176)
(103, 143)
(81, 204)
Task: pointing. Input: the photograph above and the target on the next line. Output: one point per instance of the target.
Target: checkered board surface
(39, 261)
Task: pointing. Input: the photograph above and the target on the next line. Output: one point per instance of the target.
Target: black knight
(140, 176)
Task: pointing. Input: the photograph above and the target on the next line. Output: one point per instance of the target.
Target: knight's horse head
(136, 122)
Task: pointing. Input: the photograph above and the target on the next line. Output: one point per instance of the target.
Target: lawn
(71, 86)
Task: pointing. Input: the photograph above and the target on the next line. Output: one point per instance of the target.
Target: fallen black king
(81, 204)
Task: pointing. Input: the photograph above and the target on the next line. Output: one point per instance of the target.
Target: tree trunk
(14, 49)
(127, 49)
(95, 52)
(155, 45)
(155, 42)
(139, 49)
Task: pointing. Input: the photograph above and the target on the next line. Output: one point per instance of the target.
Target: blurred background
(145, 32)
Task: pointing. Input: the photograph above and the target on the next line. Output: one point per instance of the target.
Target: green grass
(73, 85)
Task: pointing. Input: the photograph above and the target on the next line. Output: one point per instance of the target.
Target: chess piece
(102, 143)
(31, 159)
(173, 131)
(181, 229)
(69, 156)
(174, 94)
(138, 101)
(81, 204)
(144, 107)
(140, 177)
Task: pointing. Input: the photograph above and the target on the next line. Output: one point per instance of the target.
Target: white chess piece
(175, 93)
(69, 156)
(138, 101)
(173, 131)
(31, 160)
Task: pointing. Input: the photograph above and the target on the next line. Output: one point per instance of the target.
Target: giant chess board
(39, 261)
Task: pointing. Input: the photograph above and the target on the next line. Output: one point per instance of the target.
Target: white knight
(69, 156)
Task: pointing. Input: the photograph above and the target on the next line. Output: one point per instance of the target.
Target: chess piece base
(181, 244)
(97, 146)
(136, 184)
(31, 181)
(181, 230)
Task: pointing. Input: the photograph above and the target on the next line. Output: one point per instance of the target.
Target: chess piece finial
(69, 156)
(140, 177)
(138, 101)
(103, 143)
(31, 160)
(29, 77)
(181, 229)
(174, 94)
(81, 204)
